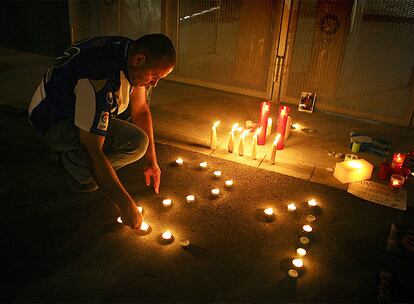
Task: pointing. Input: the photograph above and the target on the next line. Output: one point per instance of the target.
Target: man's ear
(138, 60)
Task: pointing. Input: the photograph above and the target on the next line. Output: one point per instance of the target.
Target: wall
(35, 26)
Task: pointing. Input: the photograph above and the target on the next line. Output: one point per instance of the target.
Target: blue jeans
(125, 143)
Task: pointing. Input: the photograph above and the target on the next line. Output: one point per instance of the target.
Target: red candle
(384, 171)
(397, 161)
(281, 125)
(264, 115)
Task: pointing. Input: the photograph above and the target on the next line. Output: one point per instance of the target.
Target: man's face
(141, 74)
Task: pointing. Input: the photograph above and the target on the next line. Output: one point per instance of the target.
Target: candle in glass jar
(396, 182)
(397, 161)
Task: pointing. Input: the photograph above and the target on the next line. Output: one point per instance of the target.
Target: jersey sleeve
(92, 108)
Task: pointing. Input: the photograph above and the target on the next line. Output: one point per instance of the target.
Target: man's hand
(154, 171)
(131, 216)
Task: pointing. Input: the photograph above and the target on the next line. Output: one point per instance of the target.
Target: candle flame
(215, 125)
(277, 138)
(258, 131)
(239, 129)
(354, 164)
(234, 127)
(245, 132)
(144, 226)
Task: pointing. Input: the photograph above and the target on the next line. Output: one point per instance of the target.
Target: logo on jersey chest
(103, 121)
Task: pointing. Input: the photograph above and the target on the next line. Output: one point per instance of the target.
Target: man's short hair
(157, 48)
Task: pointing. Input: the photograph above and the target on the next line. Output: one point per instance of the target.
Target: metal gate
(225, 44)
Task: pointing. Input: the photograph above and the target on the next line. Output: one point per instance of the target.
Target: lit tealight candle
(215, 192)
(310, 218)
(229, 183)
(307, 228)
(185, 243)
(167, 235)
(119, 220)
(296, 126)
(291, 207)
(167, 202)
(217, 173)
(179, 161)
(301, 251)
(297, 263)
(190, 198)
(312, 203)
(304, 240)
(293, 273)
(144, 227)
(203, 165)
(269, 212)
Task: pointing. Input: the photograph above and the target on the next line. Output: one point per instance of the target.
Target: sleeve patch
(103, 121)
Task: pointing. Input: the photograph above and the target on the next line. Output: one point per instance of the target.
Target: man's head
(150, 58)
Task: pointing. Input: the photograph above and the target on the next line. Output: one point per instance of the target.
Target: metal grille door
(226, 45)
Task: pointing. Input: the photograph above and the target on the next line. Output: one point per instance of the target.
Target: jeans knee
(139, 145)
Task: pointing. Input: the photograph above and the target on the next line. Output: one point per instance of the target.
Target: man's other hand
(154, 171)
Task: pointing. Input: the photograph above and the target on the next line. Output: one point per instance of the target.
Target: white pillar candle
(229, 183)
(254, 143)
(230, 140)
(203, 165)
(297, 263)
(269, 126)
(213, 135)
(291, 207)
(190, 198)
(179, 161)
(274, 148)
(312, 203)
(307, 228)
(167, 202)
(215, 192)
(217, 173)
(241, 142)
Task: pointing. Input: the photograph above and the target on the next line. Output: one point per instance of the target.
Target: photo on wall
(307, 102)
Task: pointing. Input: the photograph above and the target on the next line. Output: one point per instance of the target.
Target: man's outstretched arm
(141, 117)
(108, 180)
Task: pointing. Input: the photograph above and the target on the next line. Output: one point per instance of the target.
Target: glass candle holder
(397, 161)
(396, 182)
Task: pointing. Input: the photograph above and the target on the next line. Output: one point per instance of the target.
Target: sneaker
(78, 187)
